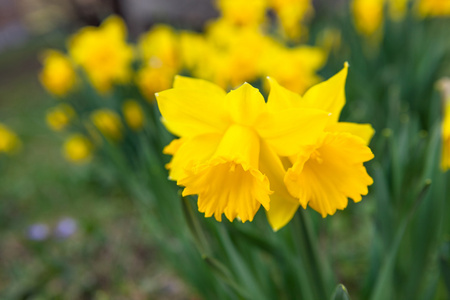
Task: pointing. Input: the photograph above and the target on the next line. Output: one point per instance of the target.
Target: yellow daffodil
(238, 12)
(103, 53)
(444, 86)
(193, 49)
(329, 172)
(133, 114)
(329, 39)
(159, 50)
(108, 123)
(291, 13)
(58, 75)
(160, 47)
(367, 15)
(433, 8)
(397, 9)
(445, 160)
(229, 144)
(59, 117)
(151, 80)
(9, 142)
(234, 54)
(77, 149)
(294, 68)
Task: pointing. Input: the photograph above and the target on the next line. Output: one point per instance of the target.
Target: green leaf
(340, 293)
(224, 273)
(384, 287)
(444, 264)
(195, 228)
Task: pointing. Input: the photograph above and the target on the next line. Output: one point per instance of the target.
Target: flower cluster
(238, 47)
(229, 55)
(290, 14)
(368, 15)
(101, 56)
(237, 152)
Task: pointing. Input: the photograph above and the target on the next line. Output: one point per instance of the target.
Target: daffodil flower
(77, 149)
(433, 8)
(444, 86)
(133, 114)
(243, 13)
(9, 141)
(230, 145)
(58, 75)
(103, 53)
(60, 116)
(368, 15)
(326, 174)
(108, 123)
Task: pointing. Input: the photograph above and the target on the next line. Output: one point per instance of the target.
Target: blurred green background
(109, 255)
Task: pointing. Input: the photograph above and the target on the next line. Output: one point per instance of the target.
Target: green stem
(319, 261)
(312, 285)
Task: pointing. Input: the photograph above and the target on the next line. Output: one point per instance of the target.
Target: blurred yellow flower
(397, 9)
(238, 12)
(58, 75)
(151, 80)
(227, 140)
(103, 53)
(291, 13)
(77, 149)
(233, 55)
(133, 114)
(193, 49)
(294, 68)
(367, 15)
(59, 117)
(9, 142)
(160, 54)
(108, 123)
(329, 39)
(329, 172)
(445, 160)
(433, 8)
(159, 47)
(444, 86)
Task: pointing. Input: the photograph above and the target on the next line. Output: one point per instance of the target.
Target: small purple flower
(65, 228)
(38, 232)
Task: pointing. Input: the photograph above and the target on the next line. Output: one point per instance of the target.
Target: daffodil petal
(173, 147)
(289, 130)
(191, 112)
(115, 27)
(281, 98)
(245, 104)
(182, 82)
(282, 205)
(188, 153)
(364, 131)
(328, 95)
(333, 172)
(281, 211)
